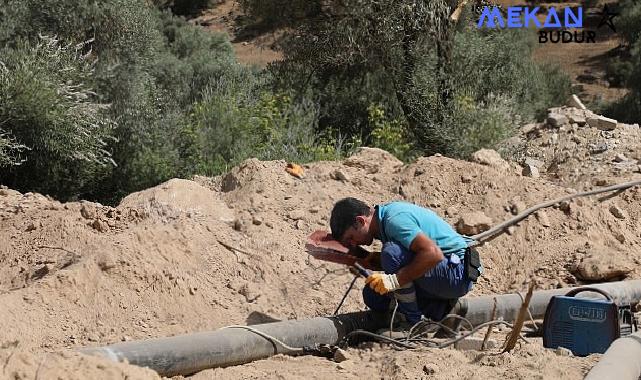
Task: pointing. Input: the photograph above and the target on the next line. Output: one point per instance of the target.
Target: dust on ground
(585, 63)
(197, 255)
(253, 45)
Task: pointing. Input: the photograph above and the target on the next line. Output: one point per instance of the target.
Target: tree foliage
(99, 119)
(48, 107)
(150, 96)
(627, 70)
(415, 62)
(183, 7)
(147, 98)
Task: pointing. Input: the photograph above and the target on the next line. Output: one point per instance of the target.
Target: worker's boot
(452, 324)
(400, 327)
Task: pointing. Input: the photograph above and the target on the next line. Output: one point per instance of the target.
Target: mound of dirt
(579, 152)
(21, 365)
(531, 361)
(178, 196)
(190, 256)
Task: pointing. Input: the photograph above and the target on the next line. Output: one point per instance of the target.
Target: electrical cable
(378, 337)
(429, 342)
(351, 286)
(287, 349)
(391, 322)
(429, 323)
(471, 332)
(409, 342)
(477, 328)
(440, 323)
(456, 316)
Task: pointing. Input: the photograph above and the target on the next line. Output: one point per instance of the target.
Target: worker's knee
(374, 300)
(394, 257)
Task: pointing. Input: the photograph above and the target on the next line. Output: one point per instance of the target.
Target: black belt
(472, 264)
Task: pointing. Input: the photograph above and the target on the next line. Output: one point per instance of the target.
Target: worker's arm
(427, 255)
(404, 229)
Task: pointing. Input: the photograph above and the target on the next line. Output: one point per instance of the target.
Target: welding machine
(585, 325)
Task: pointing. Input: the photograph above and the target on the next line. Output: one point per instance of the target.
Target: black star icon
(606, 18)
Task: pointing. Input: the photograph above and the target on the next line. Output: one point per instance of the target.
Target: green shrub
(404, 60)
(330, 145)
(238, 118)
(493, 90)
(147, 123)
(121, 30)
(9, 150)
(628, 69)
(628, 22)
(48, 106)
(474, 125)
(628, 109)
(390, 135)
(499, 62)
(184, 7)
(618, 71)
(191, 60)
(625, 69)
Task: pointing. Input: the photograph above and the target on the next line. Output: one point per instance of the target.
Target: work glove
(382, 283)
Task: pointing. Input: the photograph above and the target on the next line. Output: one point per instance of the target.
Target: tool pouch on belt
(472, 264)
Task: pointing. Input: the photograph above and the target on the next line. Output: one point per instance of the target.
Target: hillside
(82, 274)
(586, 64)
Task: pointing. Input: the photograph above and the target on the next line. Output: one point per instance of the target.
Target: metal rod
(622, 361)
(500, 228)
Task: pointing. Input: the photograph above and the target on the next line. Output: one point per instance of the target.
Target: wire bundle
(417, 335)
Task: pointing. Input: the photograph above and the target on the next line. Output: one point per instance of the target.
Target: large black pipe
(187, 354)
(479, 309)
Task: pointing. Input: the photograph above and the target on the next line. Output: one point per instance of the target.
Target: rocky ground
(197, 255)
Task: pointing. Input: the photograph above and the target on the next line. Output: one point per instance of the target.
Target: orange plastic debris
(295, 170)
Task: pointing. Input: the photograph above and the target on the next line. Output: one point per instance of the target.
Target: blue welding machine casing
(582, 325)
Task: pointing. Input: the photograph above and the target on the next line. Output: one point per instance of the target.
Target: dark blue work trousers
(431, 295)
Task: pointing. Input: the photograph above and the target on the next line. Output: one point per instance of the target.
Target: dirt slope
(82, 274)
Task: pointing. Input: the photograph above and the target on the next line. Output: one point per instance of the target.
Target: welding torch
(360, 270)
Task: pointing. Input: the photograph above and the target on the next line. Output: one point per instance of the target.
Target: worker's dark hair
(344, 215)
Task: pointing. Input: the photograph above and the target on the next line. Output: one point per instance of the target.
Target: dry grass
(576, 59)
(257, 50)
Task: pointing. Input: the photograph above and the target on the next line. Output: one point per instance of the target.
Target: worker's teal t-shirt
(401, 222)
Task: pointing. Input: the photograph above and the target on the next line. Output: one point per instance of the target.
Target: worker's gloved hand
(382, 283)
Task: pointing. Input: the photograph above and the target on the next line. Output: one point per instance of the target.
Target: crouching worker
(423, 258)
